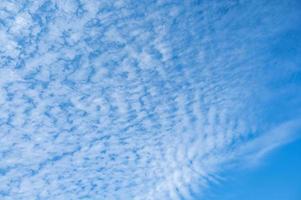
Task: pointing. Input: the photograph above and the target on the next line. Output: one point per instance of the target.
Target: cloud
(134, 100)
(282, 134)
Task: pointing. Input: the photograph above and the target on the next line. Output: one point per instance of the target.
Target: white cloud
(282, 134)
(131, 101)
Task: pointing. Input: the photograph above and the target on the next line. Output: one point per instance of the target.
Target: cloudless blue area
(277, 178)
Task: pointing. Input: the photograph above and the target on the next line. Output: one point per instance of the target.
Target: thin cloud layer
(137, 100)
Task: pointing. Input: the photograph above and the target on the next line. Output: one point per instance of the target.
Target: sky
(277, 177)
(150, 100)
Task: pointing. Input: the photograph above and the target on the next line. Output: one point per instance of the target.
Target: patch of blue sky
(277, 177)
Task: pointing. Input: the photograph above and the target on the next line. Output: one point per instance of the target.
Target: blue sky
(277, 177)
(150, 100)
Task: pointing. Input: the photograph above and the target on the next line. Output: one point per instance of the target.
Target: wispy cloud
(282, 134)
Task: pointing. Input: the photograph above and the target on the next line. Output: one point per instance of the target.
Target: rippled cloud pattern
(142, 100)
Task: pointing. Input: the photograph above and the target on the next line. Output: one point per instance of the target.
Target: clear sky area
(277, 177)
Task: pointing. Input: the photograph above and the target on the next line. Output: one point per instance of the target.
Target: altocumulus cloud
(142, 100)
